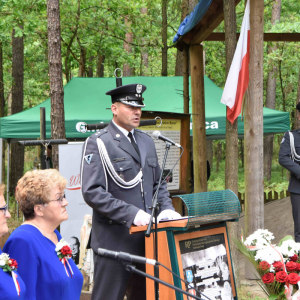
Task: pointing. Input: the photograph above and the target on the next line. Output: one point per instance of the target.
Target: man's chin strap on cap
(108, 167)
(295, 157)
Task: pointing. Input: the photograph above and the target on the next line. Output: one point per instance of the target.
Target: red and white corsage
(10, 265)
(64, 253)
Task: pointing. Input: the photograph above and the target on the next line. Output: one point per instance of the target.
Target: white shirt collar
(124, 131)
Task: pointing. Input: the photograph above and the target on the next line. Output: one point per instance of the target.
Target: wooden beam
(253, 136)
(198, 106)
(211, 24)
(268, 37)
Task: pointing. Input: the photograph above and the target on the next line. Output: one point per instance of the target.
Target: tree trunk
(179, 55)
(297, 121)
(192, 4)
(127, 70)
(100, 65)
(144, 51)
(209, 152)
(55, 75)
(90, 68)
(69, 45)
(242, 152)
(219, 156)
(271, 95)
(164, 38)
(186, 90)
(17, 151)
(2, 108)
(82, 61)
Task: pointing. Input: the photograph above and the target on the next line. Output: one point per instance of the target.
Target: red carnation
(278, 265)
(13, 264)
(281, 276)
(268, 278)
(66, 250)
(298, 267)
(291, 266)
(293, 278)
(264, 266)
(294, 258)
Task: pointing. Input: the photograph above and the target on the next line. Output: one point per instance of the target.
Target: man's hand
(141, 218)
(168, 214)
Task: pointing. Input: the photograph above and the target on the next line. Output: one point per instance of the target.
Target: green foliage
(279, 179)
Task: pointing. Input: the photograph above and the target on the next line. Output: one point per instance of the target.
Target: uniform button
(124, 222)
(110, 222)
(121, 168)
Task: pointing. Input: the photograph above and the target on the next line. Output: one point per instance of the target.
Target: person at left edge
(10, 288)
(37, 245)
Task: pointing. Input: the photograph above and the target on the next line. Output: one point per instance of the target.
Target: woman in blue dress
(11, 285)
(45, 260)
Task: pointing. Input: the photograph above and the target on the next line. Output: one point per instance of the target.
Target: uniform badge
(88, 158)
(139, 88)
(122, 176)
(282, 140)
(119, 159)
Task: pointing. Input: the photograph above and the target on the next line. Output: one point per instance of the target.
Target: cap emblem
(139, 88)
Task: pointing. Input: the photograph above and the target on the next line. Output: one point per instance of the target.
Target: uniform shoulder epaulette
(139, 130)
(99, 133)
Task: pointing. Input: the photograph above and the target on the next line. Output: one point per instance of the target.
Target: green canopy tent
(85, 101)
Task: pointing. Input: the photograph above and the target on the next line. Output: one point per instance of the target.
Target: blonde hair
(35, 188)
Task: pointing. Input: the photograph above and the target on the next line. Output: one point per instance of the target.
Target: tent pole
(8, 162)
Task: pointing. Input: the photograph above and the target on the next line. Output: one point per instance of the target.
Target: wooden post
(254, 179)
(198, 104)
(232, 153)
(186, 110)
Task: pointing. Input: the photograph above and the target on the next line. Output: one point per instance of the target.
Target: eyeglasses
(60, 199)
(5, 209)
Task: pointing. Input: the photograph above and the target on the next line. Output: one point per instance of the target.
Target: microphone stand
(133, 269)
(155, 208)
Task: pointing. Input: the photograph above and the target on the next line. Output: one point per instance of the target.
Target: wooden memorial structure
(196, 248)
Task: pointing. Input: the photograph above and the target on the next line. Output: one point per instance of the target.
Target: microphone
(157, 135)
(126, 257)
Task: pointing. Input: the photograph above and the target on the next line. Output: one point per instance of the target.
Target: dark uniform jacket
(115, 209)
(286, 161)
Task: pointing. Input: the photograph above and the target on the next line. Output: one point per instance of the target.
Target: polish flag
(238, 76)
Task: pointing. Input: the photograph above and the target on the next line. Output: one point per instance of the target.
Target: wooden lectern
(196, 248)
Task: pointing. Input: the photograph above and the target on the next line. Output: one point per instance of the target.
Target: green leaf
(286, 238)
(273, 297)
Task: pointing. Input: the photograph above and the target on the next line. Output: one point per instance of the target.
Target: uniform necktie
(134, 143)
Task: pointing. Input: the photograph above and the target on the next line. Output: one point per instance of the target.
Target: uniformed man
(119, 177)
(289, 157)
